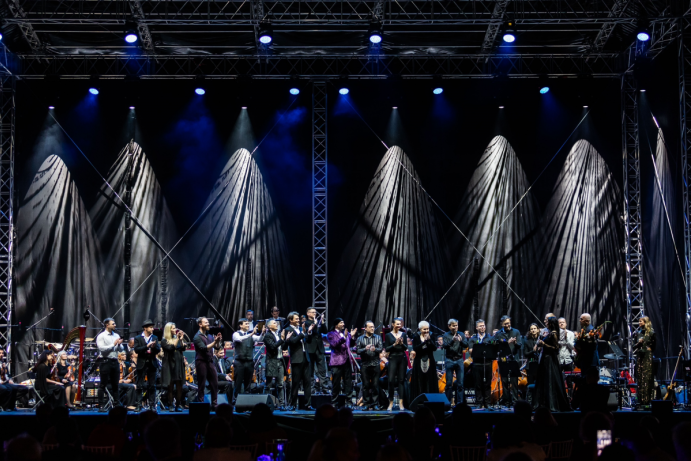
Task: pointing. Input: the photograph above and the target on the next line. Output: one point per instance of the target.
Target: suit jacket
(503, 336)
(226, 366)
(314, 342)
(272, 364)
(295, 343)
(141, 349)
(586, 349)
(340, 346)
(202, 352)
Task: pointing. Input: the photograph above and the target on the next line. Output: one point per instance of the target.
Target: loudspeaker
(221, 398)
(662, 409)
(245, 402)
(613, 399)
(422, 398)
(322, 399)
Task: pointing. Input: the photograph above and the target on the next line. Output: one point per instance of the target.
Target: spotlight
(131, 107)
(200, 91)
(643, 36)
(544, 89)
(294, 91)
(131, 36)
(344, 91)
(585, 107)
(265, 33)
(51, 107)
(0, 36)
(438, 90)
(375, 33)
(501, 107)
(93, 91)
(394, 107)
(509, 33)
(244, 107)
(642, 90)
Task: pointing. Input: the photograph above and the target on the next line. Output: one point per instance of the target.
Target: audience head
(523, 410)
(393, 452)
(591, 423)
(162, 438)
(616, 452)
(511, 431)
(23, 448)
(325, 418)
(218, 433)
(643, 442)
(544, 417)
(345, 417)
(145, 419)
(117, 416)
(225, 411)
(403, 426)
(461, 414)
(261, 418)
(340, 444)
(681, 435)
(424, 420)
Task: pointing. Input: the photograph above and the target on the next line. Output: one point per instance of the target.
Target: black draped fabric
(57, 264)
(504, 236)
(52, 394)
(549, 384)
(581, 240)
(238, 253)
(148, 205)
(396, 262)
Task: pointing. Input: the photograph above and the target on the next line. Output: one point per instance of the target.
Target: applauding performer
(299, 361)
(173, 370)
(315, 348)
(369, 346)
(341, 360)
(512, 337)
(146, 346)
(454, 343)
(243, 365)
(204, 360)
(396, 345)
(276, 355)
(425, 380)
(109, 344)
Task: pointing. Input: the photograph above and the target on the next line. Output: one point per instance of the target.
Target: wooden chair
(252, 449)
(560, 450)
(100, 450)
(468, 453)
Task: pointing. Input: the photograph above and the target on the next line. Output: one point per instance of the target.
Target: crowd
(337, 436)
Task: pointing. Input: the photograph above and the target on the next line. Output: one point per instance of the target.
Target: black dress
(645, 350)
(424, 380)
(173, 368)
(549, 385)
(52, 394)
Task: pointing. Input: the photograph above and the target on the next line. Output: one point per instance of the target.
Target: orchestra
(369, 368)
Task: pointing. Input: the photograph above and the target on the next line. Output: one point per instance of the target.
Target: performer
(369, 348)
(396, 345)
(276, 315)
(454, 343)
(128, 391)
(223, 370)
(567, 341)
(65, 374)
(530, 350)
(11, 391)
(276, 355)
(52, 392)
(549, 385)
(315, 348)
(425, 380)
(146, 346)
(586, 347)
(173, 369)
(341, 362)
(249, 315)
(644, 349)
(243, 365)
(203, 361)
(109, 344)
(482, 371)
(299, 362)
(512, 337)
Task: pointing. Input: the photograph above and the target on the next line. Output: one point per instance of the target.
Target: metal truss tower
(684, 59)
(632, 204)
(7, 82)
(319, 210)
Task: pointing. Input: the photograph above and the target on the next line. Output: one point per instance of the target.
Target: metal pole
(319, 199)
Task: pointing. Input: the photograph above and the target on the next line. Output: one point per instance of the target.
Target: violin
(188, 374)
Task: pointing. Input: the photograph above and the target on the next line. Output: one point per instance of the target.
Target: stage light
(93, 91)
(344, 91)
(509, 38)
(394, 107)
(642, 90)
(244, 107)
(0, 37)
(585, 107)
(200, 91)
(509, 33)
(438, 90)
(294, 91)
(131, 36)
(265, 34)
(51, 107)
(131, 107)
(544, 89)
(501, 107)
(375, 33)
(643, 36)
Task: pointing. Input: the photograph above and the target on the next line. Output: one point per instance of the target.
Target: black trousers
(300, 375)
(342, 372)
(370, 384)
(110, 375)
(398, 366)
(8, 396)
(318, 363)
(244, 370)
(207, 372)
(483, 383)
(226, 387)
(148, 371)
(275, 384)
(127, 394)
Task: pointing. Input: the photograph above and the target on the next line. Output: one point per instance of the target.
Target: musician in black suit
(316, 351)
(147, 347)
(276, 352)
(276, 315)
(299, 361)
(249, 315)
(225, 383)
(204, 361)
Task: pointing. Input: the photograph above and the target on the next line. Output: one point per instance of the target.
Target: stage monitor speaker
(613, 399)
(222, 398)
(422, 398)
(245, 402)
(662, 409)
(319, 400)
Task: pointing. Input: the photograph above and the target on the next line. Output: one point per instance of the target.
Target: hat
(148, 323)
(337, 320)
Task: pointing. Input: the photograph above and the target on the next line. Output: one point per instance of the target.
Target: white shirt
(240, 336)
(106, 344)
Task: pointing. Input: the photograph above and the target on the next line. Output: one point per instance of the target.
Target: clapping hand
(353, 331)
(283, 335)
(512, 340)
(290, 333)
(310, 328)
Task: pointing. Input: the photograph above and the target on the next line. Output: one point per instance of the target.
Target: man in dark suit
(204, 343)
(249, 315)
(513, 346)
(586, 347)
(146, 346)
(222, 364)
(276, 352)
(276, 315)
(315, 349)
(299, 361)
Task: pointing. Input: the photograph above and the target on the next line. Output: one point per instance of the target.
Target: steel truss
(684, 60)
(320, 292)
(7, 231)
(632, 205)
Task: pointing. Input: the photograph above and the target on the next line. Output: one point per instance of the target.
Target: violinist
(109, 344)
(173, 369)
(65, 374)
(383, 378)
(126, 386)
(454, 343)
(512, 337)
(586, 346)
(369, 346)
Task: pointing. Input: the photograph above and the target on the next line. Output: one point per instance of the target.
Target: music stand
(482, 353)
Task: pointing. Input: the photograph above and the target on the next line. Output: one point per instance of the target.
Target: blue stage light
(131, 37)
(294, 91)
(643, 36)
(131, 107)
(265, 39)
(200, 91)
(265, 33)
(509, 38)
(544, 89)
(93, 91)
(375, 38)
(51, 107)
(438, 90)
(0, 36)
(344, 91)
